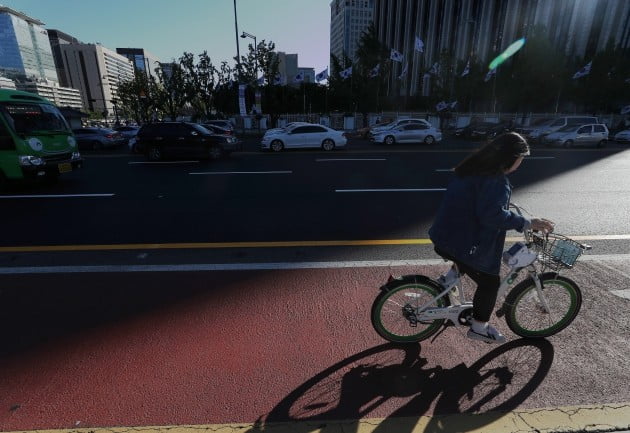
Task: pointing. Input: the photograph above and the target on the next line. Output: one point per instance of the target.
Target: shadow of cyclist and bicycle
(398, 378)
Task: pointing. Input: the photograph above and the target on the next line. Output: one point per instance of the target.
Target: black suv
(182, 139)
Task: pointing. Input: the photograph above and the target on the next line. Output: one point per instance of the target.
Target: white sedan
(304, 136)
(409, 133)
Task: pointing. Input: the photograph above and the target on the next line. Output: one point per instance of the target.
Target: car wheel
(568, 143)
(389, 140)
(429, 139)
(277, 146)
(215, 152)
(154, 154)
(601, 144)
(328, 144)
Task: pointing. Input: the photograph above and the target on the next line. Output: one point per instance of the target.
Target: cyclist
(472, 220)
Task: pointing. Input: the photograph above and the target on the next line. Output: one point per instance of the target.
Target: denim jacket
(472, 221)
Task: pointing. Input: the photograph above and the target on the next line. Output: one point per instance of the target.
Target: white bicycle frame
(458, 301)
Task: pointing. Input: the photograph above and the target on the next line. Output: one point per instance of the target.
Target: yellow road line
(607, 417)
(278, 244)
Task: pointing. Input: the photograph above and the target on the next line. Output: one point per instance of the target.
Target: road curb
(614, 417)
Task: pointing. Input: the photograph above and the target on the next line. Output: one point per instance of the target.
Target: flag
(419, 45)
(261, 81)
(625, 110)
(277, 80)
(441, 106)
(375, 70)
(322, 75)
(490, 74)
(452, 105)
(435, 69)
(403, 73)
(299, 78)
(396, 56)
(466, 70)
(583, 72)
(346, 73)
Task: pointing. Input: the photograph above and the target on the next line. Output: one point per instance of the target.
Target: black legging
(487, 288)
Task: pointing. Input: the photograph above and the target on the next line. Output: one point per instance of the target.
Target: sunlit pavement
(292, 350)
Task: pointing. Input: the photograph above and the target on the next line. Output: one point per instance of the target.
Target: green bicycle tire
(386, 304)
(560, 291)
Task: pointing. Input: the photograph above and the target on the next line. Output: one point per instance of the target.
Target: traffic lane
(219, 347)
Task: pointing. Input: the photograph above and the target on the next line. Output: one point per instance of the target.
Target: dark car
(98, 138)
(482, 130)
(182, 139)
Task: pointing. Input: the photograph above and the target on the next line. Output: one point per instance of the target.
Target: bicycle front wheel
(529, 316)
(394, 309)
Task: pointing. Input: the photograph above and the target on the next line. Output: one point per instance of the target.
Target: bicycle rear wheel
(525, 312)
(393, 311)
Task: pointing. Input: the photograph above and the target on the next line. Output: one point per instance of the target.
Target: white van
(539, 134)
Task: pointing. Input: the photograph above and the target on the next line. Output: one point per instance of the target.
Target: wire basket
(556, 251)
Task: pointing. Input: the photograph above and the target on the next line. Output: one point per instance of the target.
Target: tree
(200, 83)
(171, 90)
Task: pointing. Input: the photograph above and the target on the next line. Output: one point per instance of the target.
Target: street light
(248, 35)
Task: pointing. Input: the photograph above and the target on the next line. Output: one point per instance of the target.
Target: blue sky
(167, 28)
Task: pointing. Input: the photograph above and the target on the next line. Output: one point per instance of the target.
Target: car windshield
(30, 118)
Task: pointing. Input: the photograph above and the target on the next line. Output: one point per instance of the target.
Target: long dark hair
(494, 157)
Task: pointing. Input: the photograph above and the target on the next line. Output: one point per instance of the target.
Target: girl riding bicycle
(473, 219)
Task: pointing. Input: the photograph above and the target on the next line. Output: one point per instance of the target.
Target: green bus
(35, 139)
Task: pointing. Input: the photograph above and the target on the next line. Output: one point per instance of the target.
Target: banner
(241, 99)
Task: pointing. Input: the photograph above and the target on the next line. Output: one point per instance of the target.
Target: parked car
(409, 133)
(217, 129)
(482, 130)
(127, 131)
(525, 130)
(365, 132)
(623, 136)
(182, 139)
(538, 135)
(288, 125)
(225, 124)
(580, 135)
(397, 123)
(304, 136)
(98, 138)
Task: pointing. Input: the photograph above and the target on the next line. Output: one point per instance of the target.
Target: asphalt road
(155, 306)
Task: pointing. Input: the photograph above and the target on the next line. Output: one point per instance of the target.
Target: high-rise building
(25, 48)
(58, 38)
(287, 67)
(348, 20)
(482, 28)
(142, 60)
(97, 72)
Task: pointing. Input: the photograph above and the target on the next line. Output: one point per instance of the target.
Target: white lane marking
(245, 172)
(349, 159)
(621, 293)
(444, 169)
(540, 157)
(393, 190)
(249, 266)
(56, 195)
(162, 162)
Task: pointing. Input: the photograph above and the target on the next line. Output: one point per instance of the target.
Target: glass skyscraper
(25, 51)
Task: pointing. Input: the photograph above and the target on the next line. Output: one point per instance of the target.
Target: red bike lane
(284, 345)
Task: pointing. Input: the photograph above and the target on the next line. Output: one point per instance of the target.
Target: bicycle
(412, 308)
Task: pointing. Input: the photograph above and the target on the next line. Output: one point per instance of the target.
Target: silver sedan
(410, 133)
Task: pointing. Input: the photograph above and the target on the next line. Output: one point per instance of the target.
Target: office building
(60, 96)
(58, 38)
(287, 67)
(348, 20)
(308, 74)
(480, 29)
(97, 72)
(25, 48)
(142, 60)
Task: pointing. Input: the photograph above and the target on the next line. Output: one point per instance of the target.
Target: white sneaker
(489, 335)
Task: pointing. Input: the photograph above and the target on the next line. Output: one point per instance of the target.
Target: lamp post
(248, 35)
